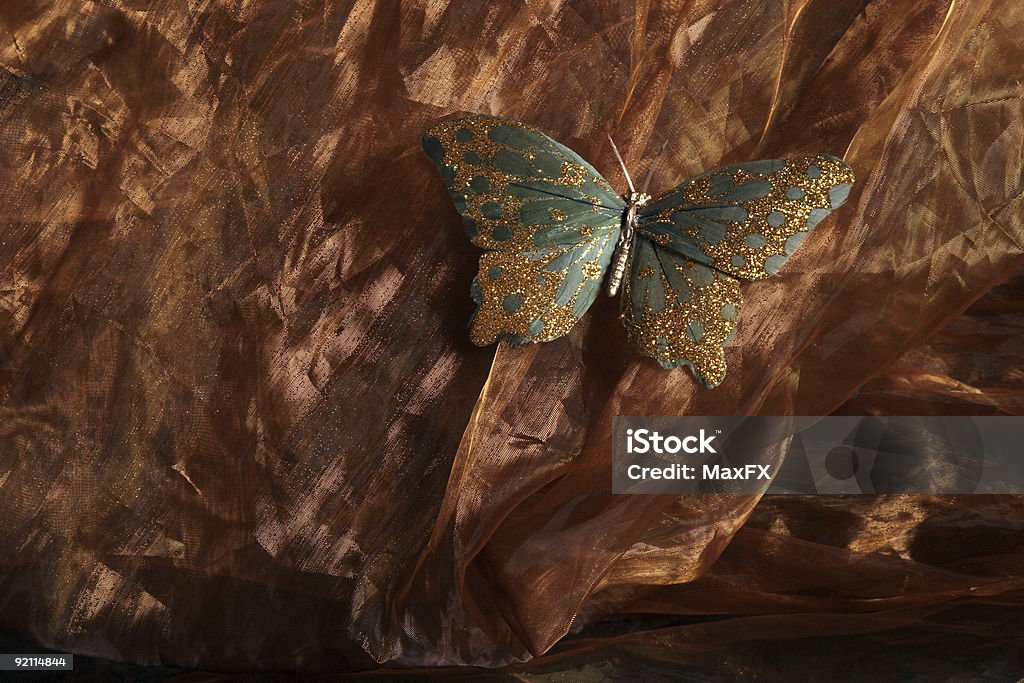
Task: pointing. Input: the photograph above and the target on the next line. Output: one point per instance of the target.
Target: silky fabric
(243, 427)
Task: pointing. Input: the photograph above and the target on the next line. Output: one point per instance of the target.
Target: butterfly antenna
(654, 165)
(622, 164)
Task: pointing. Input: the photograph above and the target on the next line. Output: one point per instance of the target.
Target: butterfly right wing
(548, 219)
(678, 311)
(696, 242)
(747, 219)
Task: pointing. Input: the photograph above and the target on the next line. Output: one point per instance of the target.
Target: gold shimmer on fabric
(243, 426)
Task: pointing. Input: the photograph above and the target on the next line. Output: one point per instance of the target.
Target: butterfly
(554, 231)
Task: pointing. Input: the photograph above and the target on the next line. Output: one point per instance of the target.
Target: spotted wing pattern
(537, 295)
(747, 219)
(678, 311)
(548, 220)
(695, 243)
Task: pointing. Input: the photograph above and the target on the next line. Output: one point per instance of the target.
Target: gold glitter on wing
(537, 289)
(795, 212)
(606, 218)
(665, 335)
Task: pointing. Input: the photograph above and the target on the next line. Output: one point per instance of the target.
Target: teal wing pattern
(694, 244)
(548, 221)
(679, 311)
(747, 219)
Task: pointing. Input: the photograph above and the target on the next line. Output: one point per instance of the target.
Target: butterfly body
(624, 247)
(554, 231)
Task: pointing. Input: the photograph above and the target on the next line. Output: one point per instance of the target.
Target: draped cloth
(243, 427)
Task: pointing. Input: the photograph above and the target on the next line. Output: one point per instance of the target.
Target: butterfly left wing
(548, 220)
(537, 296)
(696, 242)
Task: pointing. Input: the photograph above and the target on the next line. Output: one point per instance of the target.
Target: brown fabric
(243, 427)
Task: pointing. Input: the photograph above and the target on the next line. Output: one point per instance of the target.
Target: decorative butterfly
(553, 228)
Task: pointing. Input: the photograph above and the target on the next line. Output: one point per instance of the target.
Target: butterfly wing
(747, 219)
(695, 244)
(678, 311)
(548, 221)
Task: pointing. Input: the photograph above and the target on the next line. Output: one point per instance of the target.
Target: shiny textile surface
(243, 426)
